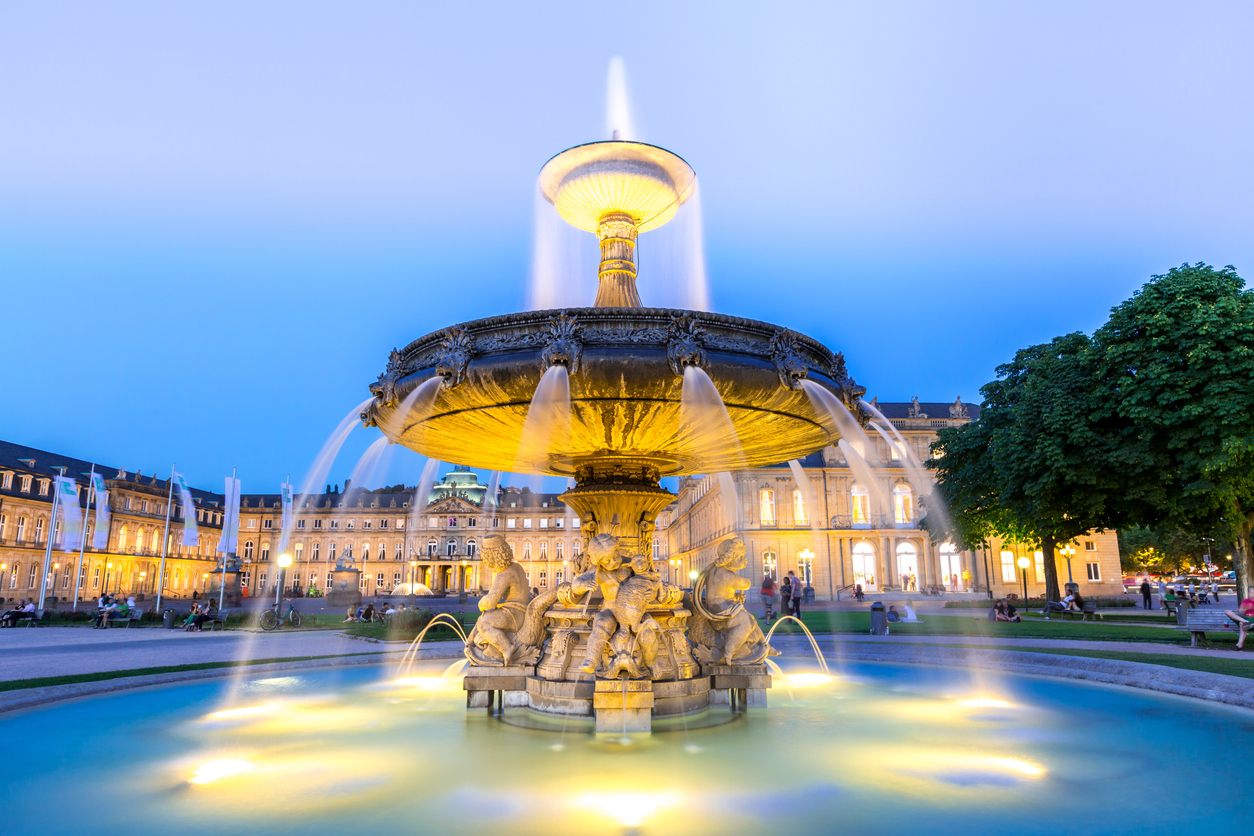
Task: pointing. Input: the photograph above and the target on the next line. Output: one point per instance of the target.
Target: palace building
(843, 523)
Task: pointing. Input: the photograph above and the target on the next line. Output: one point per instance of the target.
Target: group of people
(909, 583)
(1003, 610)
(369, 612)
(24, 610)
(791, 592)
(108, 607)
(1071, 602)
(1180, 591)
(196, 619)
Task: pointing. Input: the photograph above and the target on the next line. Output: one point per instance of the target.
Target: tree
(1032, 469)
(1175, 391)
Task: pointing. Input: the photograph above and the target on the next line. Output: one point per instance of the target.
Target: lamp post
(692, 576)
(461, 584)
(807, 562)
(413, 569)
(285, 560)
(108, 574)
(1023, 564)
(1068, 551)
(3, 568)
(141, 581)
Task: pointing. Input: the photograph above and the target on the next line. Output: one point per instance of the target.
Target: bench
(1201, 622)
(1088, 613)
(219, 617)
(1170, 606)
(132, 615)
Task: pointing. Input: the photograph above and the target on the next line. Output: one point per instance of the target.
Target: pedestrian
(1244, 619)
(1147, 593)
(857, 591)
(785, 595)
(1214, 590)
(1162, 591)
(768, 597)
(797, 590)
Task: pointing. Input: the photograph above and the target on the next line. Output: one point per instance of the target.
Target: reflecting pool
(889, 749)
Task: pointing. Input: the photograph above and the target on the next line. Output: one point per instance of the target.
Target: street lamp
(1067, 551)
(285, 560)
(108, 574)
(3, 567)
(141, 580)
(693, 576)
(413, 570)
(1023, 564)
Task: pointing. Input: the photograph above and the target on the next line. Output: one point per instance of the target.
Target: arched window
(431, 547)
(4, 526)
(365, 551)
(860, 505)
(21, 529)
(799, 515)
(527, 551)
(139, 540)
(265, 551)
(398, 553)
(766, 498)
(657, 549)
(908, 566)
(575, 548)
(770, 564)
(383, 552)
(557, 550)
(451, 547)
(248, 549)
(155, 541)
(864, 565)
(39, 529)
(951, 567)
(470, 548)
(544, 550)
(903, 505)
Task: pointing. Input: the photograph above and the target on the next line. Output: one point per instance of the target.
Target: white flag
(191, 534)
(229, 541)
(100, 537)
(285, 524)
(71, 514)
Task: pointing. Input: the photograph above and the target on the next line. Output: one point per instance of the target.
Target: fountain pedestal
(740, 686)
(623, 706)
(482, 683)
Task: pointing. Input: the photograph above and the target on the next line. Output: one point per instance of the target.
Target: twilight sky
(216, 219)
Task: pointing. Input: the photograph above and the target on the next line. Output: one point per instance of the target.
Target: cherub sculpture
(511, 630)
(623, 625)
(721, 629)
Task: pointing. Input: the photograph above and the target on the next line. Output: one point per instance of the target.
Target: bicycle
(271, 620)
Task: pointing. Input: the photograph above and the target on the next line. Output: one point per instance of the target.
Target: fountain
(616, 396)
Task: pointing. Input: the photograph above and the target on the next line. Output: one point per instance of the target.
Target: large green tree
(1032, 468)
(1175, 403)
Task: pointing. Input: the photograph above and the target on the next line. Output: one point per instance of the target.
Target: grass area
(101, 676)
(955, 625)
(1236, 666)
(407, 629)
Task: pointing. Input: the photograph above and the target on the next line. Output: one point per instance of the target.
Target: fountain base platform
(740, 686)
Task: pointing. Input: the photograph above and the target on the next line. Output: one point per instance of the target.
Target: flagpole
(222, 581)
(165, 543)
(82, 543)
(52, 527)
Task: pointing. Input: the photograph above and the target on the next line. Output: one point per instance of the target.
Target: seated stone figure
(721, 630)
(511, 630)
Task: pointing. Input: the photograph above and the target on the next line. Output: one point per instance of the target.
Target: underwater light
(802, 680)
(427, 683)
(243, 711)
(215, 770)
(984, 702)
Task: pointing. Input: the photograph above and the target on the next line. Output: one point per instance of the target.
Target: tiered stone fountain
(617, 643)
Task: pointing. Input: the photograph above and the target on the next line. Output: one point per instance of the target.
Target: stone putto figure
(512, 627)
(721, 630)
(623, 630)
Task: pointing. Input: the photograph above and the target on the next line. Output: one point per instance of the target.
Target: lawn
(966, 625)
(408, 629)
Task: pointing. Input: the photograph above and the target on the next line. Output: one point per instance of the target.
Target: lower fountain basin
(884, 749)
(626, 374)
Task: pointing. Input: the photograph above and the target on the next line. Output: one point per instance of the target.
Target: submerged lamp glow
(215, 770)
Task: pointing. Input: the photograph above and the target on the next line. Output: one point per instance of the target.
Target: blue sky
(216, 219)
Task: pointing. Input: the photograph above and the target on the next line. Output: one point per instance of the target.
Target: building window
(383, 524)
(365, 551)
(31, 582)
(248, 549)
(893, 453)
(350, 524)
(1008, 567)
(8, 481)
(95, 578)
(397, 554)
(335, 524)
(526, 551)
(1040, 566)
(300, 548)
(363, 579)
(544, 579)
(431, 547)
(559, 523)
(657, 549)
(575, 548)
(860, 505)
(470, 548)
(805, 567)
(330, 580)
(544, 550)
(510, 522)
(313, 580)
(396, 579)
(471, 522)
(544, 522)
(450, 548)
(266, 525)
(365, 524)
(21, 529)
(1095, 571)
(317, 525)
(331, 552)
(766, 498)
(43, 487)
(26, 482)
(452, 522)
(317, 547)
(527, 522)
(378, 580)
(770, 564)
(908, 566)
(903, 505)
(799, 508)
(39, 530)
(1090, 546)
(252, 523)
(300, 524)
(864, 564)
(557, 550)
(265, 551)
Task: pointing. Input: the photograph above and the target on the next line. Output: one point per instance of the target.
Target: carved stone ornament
(685, 344)
(958, 409)
(456, 351)
(850, 392)
(788, 363)
(721, 631)
(563, 343)
(384, 389)
(512, 627)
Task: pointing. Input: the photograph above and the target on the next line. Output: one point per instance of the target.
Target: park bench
(1088, 613)
(219, 617)
(132, 615)
(1170, 606)
(1201, 622)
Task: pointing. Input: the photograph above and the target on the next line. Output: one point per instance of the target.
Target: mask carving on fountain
(788, 363)
(850, 392)
(720, 628)
(456, 352)
(384, 389)
(685, 345)
(563, 343)
(512, 628)
(625, 638)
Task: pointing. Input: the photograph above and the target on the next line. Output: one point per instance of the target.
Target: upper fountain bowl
(589, 182)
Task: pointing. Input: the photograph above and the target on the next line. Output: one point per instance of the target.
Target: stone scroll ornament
(850, 392)
(685, 344)
(625, 638)
(563, 343)
(788, 363)
(721, 630)
(512, 627)
(456, 351)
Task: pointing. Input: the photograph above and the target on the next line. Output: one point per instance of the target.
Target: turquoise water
(882, 749)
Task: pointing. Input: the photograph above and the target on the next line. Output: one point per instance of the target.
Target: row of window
(251, 551)
(859, 505)
(1010, 568)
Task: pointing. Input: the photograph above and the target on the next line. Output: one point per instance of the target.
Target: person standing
(1214, 590)
(768, 597)
(785, 595)
(1162, 591)
(1147, 593)
(797, 589)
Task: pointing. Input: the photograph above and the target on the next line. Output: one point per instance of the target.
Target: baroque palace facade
(855, 533)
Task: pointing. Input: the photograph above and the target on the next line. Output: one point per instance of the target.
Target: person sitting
(1244, 619)
(18, 613)
(998, 612)
(892, 615)
(1076, 604)
(1012, 614)
(103, 615)
(189, 623)
(911, 617)
(367, 614)
(1059, 606)
(350, 616)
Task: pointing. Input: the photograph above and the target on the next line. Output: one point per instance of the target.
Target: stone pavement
(26, 653)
